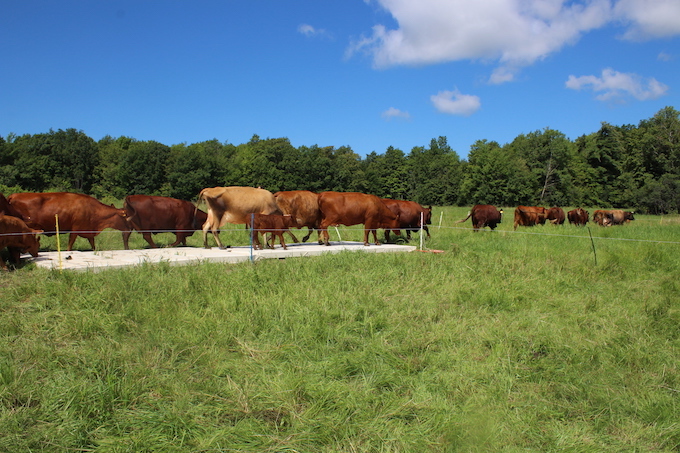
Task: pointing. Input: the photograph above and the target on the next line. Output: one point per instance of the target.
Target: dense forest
(618, 166)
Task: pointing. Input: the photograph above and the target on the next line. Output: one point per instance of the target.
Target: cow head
(31, 242)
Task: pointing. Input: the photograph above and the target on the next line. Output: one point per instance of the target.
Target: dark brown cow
(555, 215)
(274, 224)
(79, 215)
(233, 205)
(303, 205)
(578, 216)
(152, 215)
(530, 216)
(354, 208)
(609, 217)
(409, 213)
(484, 215)
(18, 238)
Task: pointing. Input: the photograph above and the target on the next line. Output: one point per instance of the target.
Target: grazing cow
(409, 216)
(604, 217)
(484, 215)
(152, 215)
(233, 205)
(303, 205)
(530, 216)
(274, 224)
(79, 215)
(18, 238)
(578, 216)
(555, 215)
(353, 208)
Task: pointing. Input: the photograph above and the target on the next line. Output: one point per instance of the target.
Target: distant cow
(152, 215)
(555, 215)
(578, 216)
(484, 215)
(530, 216)
(604, 217)
(303, 205)
(79, 215)
(274, 224)
(233, 205)
(353, 208)
(18, 238)
(409, 213)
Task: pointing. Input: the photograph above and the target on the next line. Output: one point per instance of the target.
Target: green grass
(506, 341)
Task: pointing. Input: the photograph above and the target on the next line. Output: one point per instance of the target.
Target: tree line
(625, 166)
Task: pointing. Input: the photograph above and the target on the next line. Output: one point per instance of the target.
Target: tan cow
(233, 204)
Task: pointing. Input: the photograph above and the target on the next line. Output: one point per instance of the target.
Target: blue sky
(358, 73)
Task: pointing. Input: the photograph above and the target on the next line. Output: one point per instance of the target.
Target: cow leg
(323, 236)
(427, 231)
(126, 239)
(283, 244)
(71, 239)
(90, 239)
(366, 232)
(291, 235)
(147, 236)
(309, 233)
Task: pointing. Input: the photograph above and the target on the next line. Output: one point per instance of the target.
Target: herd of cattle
(23, 216)
(490, 216)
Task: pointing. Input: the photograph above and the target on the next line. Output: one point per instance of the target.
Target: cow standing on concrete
(304, 206)
(354, 208)
(274, 224)
(79, 215)
(233, 205)
(18, 238)
(152, 215)
(484, 215)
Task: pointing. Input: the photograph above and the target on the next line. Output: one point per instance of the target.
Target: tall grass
(506, 341)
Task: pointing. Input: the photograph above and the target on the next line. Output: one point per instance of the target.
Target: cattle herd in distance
(24, 216)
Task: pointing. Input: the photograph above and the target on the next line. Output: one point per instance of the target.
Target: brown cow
(555, 215)
(409, 213)
(18, 238)
(353, 208)
(529, 216)
(233, 205)
(274, 224)
(609, 217)
(152, 215)
(304, 206)
(484, 215)
(6, 208)
(79, 215)
(578, 216)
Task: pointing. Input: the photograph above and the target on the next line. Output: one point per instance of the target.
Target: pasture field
(504, 342)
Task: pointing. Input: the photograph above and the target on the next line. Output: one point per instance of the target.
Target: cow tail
(468, 216)
(130, 211)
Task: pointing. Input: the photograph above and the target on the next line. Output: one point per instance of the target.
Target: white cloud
(309, 30)
(513, 33)
(456, 103)
(665, 56)
(618, 85)
(649, 19)
(395, 113)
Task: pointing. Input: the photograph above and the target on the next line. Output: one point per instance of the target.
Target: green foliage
(635, 166)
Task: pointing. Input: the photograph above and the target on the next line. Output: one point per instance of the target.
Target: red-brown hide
(274, 224)
(152, 215)
(18, 238)
(409, 213)
(303, 205)
(354, 208)
(578, 216)
(484, 215)
(79, 215)
(529, 216)
(555, 215)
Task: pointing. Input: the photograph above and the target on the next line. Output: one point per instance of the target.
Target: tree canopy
(624, 166)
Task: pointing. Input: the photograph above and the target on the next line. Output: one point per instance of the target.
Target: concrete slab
(110, 259)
